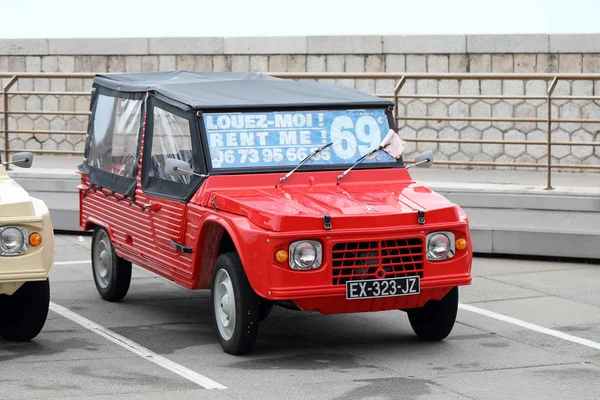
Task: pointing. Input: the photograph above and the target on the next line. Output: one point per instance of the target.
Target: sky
(196, 18)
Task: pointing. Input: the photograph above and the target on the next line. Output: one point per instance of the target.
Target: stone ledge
(317, 45)
(425, 44)
(345, 44)
(108, 46)
(508, 44)
(23, 47)
(575, 43)
(532, 243)
(189, 45)
(266, 45)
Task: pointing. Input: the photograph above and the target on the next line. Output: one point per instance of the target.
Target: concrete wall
(458, 53)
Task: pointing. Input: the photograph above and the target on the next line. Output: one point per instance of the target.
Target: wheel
(112, 274)
(235, 306)
(435, 320)
(26, 311)
(264, 309)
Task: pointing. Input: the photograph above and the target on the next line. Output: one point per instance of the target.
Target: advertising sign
(250, 140)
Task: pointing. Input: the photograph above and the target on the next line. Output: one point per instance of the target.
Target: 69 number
(345, 143)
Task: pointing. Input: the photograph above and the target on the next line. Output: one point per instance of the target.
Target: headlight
(12, 240)
(440, 246)
(306, 254)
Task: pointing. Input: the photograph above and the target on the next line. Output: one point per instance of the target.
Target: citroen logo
(369, 209)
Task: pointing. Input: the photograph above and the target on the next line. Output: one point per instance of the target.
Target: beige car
(26, 257)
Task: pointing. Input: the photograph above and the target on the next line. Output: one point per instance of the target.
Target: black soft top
(233, 90)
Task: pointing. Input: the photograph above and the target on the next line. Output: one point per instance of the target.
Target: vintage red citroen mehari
(268, 192)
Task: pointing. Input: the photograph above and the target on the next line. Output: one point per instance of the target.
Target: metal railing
(13, 79)
(400, 81)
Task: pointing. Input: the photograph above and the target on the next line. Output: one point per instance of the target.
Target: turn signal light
(35, 239)
(281, 256)
(461, 244)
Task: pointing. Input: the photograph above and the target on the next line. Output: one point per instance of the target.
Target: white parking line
(529, 325)
(71, 262)
(138, 349)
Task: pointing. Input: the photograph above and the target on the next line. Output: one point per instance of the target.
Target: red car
(268, 192)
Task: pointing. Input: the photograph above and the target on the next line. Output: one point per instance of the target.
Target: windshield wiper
(375, 150)
(308, 157)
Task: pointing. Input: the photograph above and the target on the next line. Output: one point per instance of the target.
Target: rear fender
(92, 222)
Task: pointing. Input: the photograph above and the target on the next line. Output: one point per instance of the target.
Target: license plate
(403, 286)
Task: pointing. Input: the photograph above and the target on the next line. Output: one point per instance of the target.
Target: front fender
(248, 249)
(47, 233)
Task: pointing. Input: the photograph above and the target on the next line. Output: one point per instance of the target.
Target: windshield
(283, 139)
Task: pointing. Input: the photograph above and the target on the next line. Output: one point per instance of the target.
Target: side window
(171, 138)
(116, 129)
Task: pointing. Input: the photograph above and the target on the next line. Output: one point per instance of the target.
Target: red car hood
(354, 203)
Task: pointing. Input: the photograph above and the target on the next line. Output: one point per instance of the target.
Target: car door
(171, 132)
(111, 162)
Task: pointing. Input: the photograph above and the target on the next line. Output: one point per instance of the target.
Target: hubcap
(103, 262)
(224, 303)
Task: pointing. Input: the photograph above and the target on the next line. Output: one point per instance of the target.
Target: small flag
(393, 144)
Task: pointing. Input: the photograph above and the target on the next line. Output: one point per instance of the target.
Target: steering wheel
(128, 166)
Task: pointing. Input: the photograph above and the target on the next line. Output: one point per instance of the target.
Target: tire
(26, 311)
(264, 309)
(112, 274)
(236, 321)
(434, 321)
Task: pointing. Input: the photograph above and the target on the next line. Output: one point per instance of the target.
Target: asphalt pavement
(525, 330)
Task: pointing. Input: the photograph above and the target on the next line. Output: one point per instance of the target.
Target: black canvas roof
(232, 90)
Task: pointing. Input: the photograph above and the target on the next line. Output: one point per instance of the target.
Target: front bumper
(16, 270)
(322, 289)
(340, 290)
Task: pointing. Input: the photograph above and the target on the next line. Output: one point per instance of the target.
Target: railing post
(396, 90)
(5, 114)
(549, 137)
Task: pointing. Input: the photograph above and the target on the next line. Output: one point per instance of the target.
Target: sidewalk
(531, 179)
